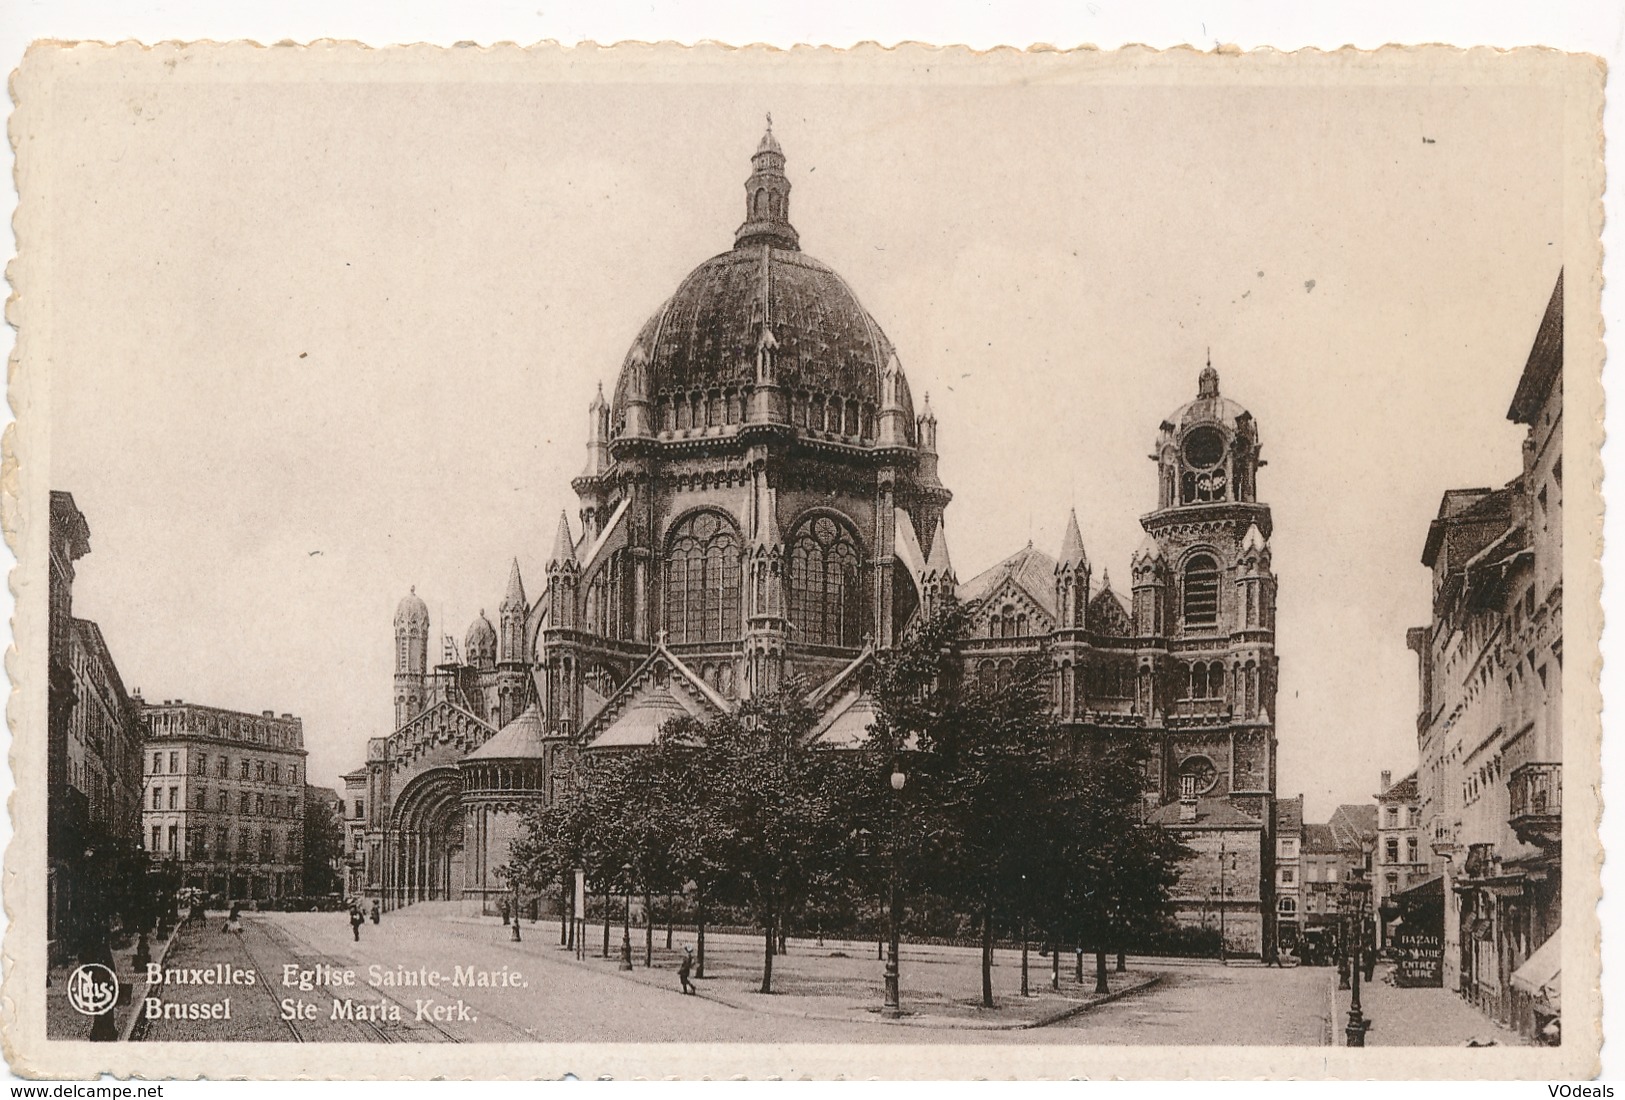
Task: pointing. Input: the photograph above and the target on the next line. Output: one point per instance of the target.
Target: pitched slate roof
(1289, 815)
(1403, 791)
(1209, 812)
(1318, 839)
(1030, 567)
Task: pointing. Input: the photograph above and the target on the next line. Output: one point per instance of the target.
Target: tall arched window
(702, 581)
(1201, 591)
(826, 599)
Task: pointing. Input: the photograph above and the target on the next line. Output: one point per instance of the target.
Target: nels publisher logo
(92, 989)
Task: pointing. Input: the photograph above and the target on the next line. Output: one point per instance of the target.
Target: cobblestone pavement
(1205, 1003)
(1419, 1017)
(554, 997)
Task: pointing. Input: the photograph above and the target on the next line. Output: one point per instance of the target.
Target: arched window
(1201, 591)
(761, 202)
(702, 581)
(825, 596)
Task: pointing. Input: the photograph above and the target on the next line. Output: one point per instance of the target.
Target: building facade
(1489, 721)
(761, 503)
(1289, 911)
(93, 757)
(1401, 860)
(224, 798)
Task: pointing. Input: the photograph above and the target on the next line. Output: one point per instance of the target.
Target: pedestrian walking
(685, 968)
(356, 919)
(375, 912)
(234, 919)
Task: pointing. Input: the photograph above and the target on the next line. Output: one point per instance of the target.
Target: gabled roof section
(1108, 616)
(661, 688)
(1030, 568)
(428, 713)
(1403, 791)
(520, 739)
(842, 680)
(1352, 823)
(846, 724)
(1318, 839)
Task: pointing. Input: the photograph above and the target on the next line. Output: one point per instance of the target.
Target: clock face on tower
(1204, 448)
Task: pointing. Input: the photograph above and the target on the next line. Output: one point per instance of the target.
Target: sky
(314, 342)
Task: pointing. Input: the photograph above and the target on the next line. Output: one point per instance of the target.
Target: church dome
(1210, 407)
(480, 644)
(412, 611)
(765, 290)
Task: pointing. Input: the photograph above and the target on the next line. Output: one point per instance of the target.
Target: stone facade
(1401, 860)
(1489, 721)
(760, 505)
(93, 756)
(224, 798)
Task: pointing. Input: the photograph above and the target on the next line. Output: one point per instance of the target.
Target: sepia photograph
(1005, 558)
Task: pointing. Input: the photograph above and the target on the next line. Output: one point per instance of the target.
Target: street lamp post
(514, 937)
(1357, 1025)
(893, 1007)
(626, 920)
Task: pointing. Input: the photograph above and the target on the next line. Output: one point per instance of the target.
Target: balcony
(1536, 813)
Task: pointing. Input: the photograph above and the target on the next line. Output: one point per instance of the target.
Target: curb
(137, 993)
(1021, 1025)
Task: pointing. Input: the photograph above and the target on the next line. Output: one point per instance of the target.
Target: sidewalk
(62, 1021)
(843, 980)
(1423, 1017)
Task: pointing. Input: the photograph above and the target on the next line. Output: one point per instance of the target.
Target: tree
(324, 844)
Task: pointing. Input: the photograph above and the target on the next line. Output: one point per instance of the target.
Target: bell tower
(1204, 604)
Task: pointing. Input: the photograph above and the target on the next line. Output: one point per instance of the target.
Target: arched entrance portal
(426, 839)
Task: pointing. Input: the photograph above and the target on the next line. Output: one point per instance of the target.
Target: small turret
(1150, 580)
(894, 414)
(938, 582)
(597, 436)
(767, 199)
(514, 608)
(480, 643)
(1072, 577)
(411, 656)
(563, 572)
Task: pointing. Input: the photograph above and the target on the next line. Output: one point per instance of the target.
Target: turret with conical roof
(563, 572)
(1072, 578)
(938, 583)
(512, 613)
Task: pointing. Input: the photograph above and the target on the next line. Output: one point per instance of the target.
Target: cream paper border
(24, 495)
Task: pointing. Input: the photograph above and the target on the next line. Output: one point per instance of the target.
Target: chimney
(1187, 810)
(1387, 780)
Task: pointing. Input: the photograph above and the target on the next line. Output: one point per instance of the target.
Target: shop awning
(1426, 890)
(1540, 976)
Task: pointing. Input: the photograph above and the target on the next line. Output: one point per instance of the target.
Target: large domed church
(760, 506)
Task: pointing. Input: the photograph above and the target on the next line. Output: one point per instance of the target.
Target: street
(535, 991)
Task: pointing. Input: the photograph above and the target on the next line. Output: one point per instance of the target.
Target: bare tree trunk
(1055, 968)
(1077, 954)
(767, 957)
(648, 931)
(1100, 972)
(670, 916)
(564, 918)
(1024, 991)
(606, 924)
(699, 951)
(1122, 962)
(987, 954)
